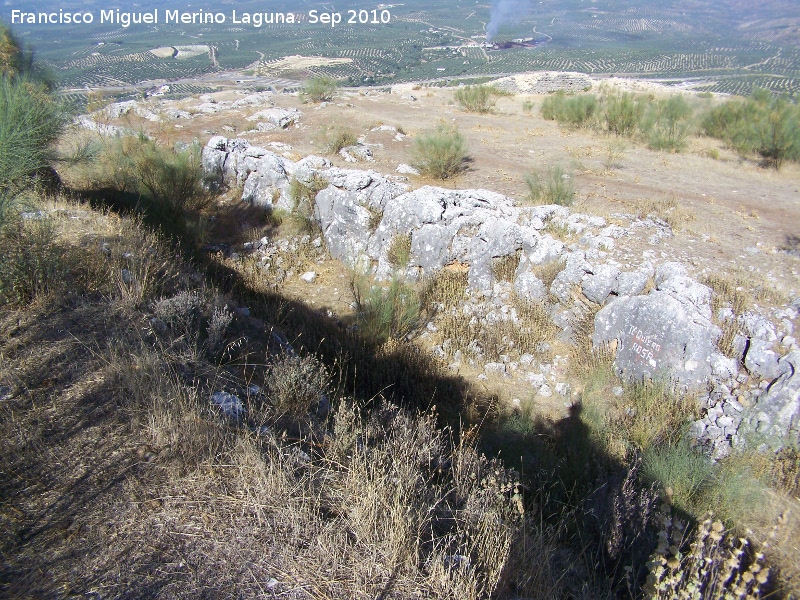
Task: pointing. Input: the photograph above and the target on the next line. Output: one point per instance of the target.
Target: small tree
(441, 153)
(319, 89)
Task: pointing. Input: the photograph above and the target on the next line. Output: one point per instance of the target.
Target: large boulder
(348, 209)
(659, 336)
(775, 418)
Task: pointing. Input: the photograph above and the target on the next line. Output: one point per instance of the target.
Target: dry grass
(443, 290)
(487, 340)
(548, 271)
(665, 209)
(399, 252)
(504, 268)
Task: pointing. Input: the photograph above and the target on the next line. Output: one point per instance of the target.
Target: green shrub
(319, 89)
(555, 187)
(576, 111)
(441, 153)
(683, 470)
(170, 180)
(761, 124)
(30, 121)
(304, 196)
(666, 123)
(621, 113)
(341, 139)
(385, 314)
(478, 98)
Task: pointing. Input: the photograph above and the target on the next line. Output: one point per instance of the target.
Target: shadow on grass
(599, 505)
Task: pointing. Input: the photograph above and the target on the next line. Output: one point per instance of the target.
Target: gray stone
(357, 153)
(309, 276)
(724, 422)
(495, 368)
(658, 336)
(631, 283)
(758, 326)
(562, 389)
(776, 415)
(576, 267)
(668, 270)
(597, 286)
(230, 406)
(536, 379)
(405, 169)
(761, 360)
(687, 289)
(724, 368)
(697, 430)
(279, 117)
(529, 286)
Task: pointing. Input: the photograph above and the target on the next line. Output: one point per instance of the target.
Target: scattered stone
(309, 276)
(230, 406)
(405, 169)
(357, 153)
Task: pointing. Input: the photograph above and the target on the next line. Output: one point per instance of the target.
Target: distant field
(720, 48)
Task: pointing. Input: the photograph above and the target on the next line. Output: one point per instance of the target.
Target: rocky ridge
(655, 317)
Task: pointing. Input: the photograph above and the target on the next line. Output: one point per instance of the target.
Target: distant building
(158, 91)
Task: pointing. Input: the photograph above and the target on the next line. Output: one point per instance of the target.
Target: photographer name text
(376, 16)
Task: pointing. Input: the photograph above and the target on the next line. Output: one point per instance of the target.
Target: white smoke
(504, 11)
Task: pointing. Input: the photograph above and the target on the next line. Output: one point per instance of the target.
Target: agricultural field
(730, 47)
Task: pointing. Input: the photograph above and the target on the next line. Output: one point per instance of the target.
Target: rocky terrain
(652, 307)
(669, 330)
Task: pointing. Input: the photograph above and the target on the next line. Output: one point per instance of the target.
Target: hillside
(322, 374)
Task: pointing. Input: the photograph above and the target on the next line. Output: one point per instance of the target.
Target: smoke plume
(504, 11)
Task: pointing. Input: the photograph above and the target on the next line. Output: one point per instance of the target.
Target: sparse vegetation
(304, 196)
(504, 268)
(443, 290)
(384, 314)
(319, 89)
(188, 415)
(399, 252)
(439, 154)
(477, 98)
(761, 124)
(666, 209)
(342, 138)
(615, 150)
(554, 187)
